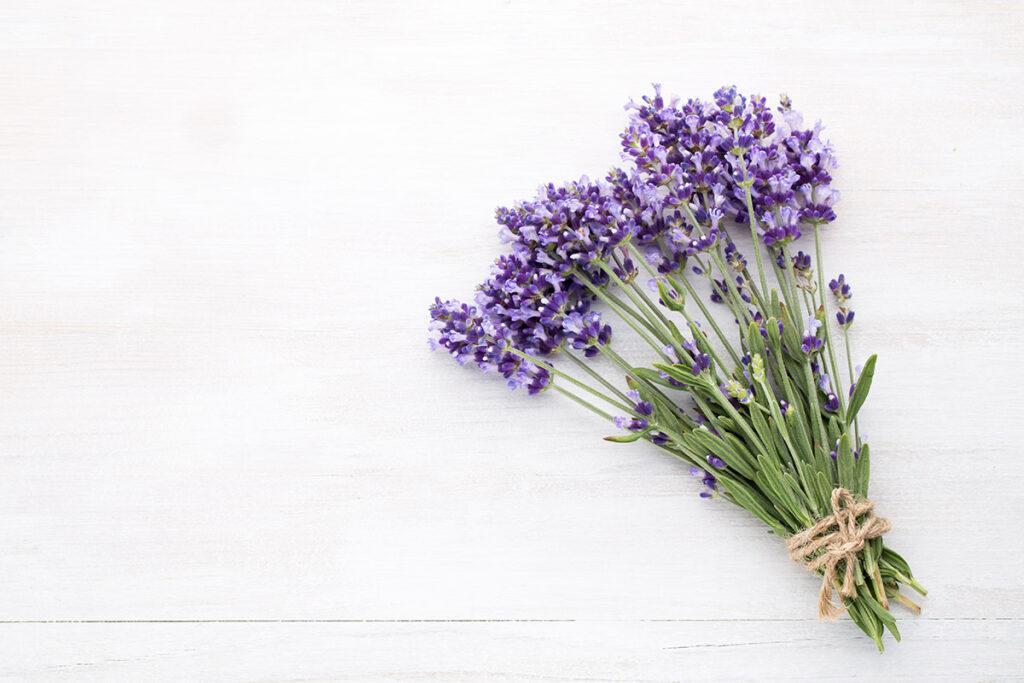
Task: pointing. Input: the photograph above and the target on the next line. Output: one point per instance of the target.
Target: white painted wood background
(227, 454)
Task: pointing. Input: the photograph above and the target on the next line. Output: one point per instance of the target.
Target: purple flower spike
(540, 381)
(701, 362)
(802, 263)
(470, 337)
(708, 479)
(781, 229)
(587, 333)
(811, 342)
(840, 289)
(633, 424)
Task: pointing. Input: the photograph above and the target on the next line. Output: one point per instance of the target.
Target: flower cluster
(758, 410)
(471, 337)
(842, 292)
(811, 342)
(576, 226)
(695, 162)
(564, 245)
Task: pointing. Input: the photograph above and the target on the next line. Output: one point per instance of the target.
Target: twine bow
(839, 538)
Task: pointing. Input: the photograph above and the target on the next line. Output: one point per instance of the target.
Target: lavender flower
(567, 227)
(690, 160)
(708, 479)
(642, 408)
(633, 424)
(811, 342)
(701, 360)
(785, 408)
(469, 337)
(842, 292)
(840, 289)
(781, 227)
(734, 258)
(831, 400)
(802, 263)
(587, 333)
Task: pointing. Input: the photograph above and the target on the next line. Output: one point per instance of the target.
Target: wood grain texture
(226, 453)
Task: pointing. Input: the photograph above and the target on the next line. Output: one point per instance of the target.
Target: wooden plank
(221, 225)
(532, 651)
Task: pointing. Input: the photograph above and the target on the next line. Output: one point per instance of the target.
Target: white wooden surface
(226, 453)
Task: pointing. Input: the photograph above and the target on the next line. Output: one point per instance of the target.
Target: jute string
(835, 540)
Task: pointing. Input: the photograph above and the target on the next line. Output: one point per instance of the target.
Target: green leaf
(824, 487)
(753, 502)
(863, 471)
(772, 327)
(706, 441)
(860, 392)
(676, 335)
(755, 342)
(738, 447)
(847, 467)
(764, 432)
(799, 433)
(785, 492)
(628, 438)
(886, 617)
(792, 338)
(897, 561)
(774, 494)
(654, 377)
(834, 429)
(727, 423)
(867, 620)
(680, 373)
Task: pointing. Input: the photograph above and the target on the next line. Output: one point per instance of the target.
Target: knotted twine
(834, 540)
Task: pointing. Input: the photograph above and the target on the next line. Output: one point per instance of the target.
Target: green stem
(790, 285)
(807, 302)
(628, 369)
(812, 406)
(753, 222)
(792, 308)
(621, 308)
(611, 299)
(597, 376)
(663, 332)
(586, 404)
(682, 310)
(740, 307)
(740, 421)
(761, 299)
(707, 316)
(849, 368)
(661, 316)
(828, 324)
(569, 378)
(780, 420)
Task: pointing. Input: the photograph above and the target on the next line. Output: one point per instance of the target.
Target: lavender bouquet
(762, 408)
